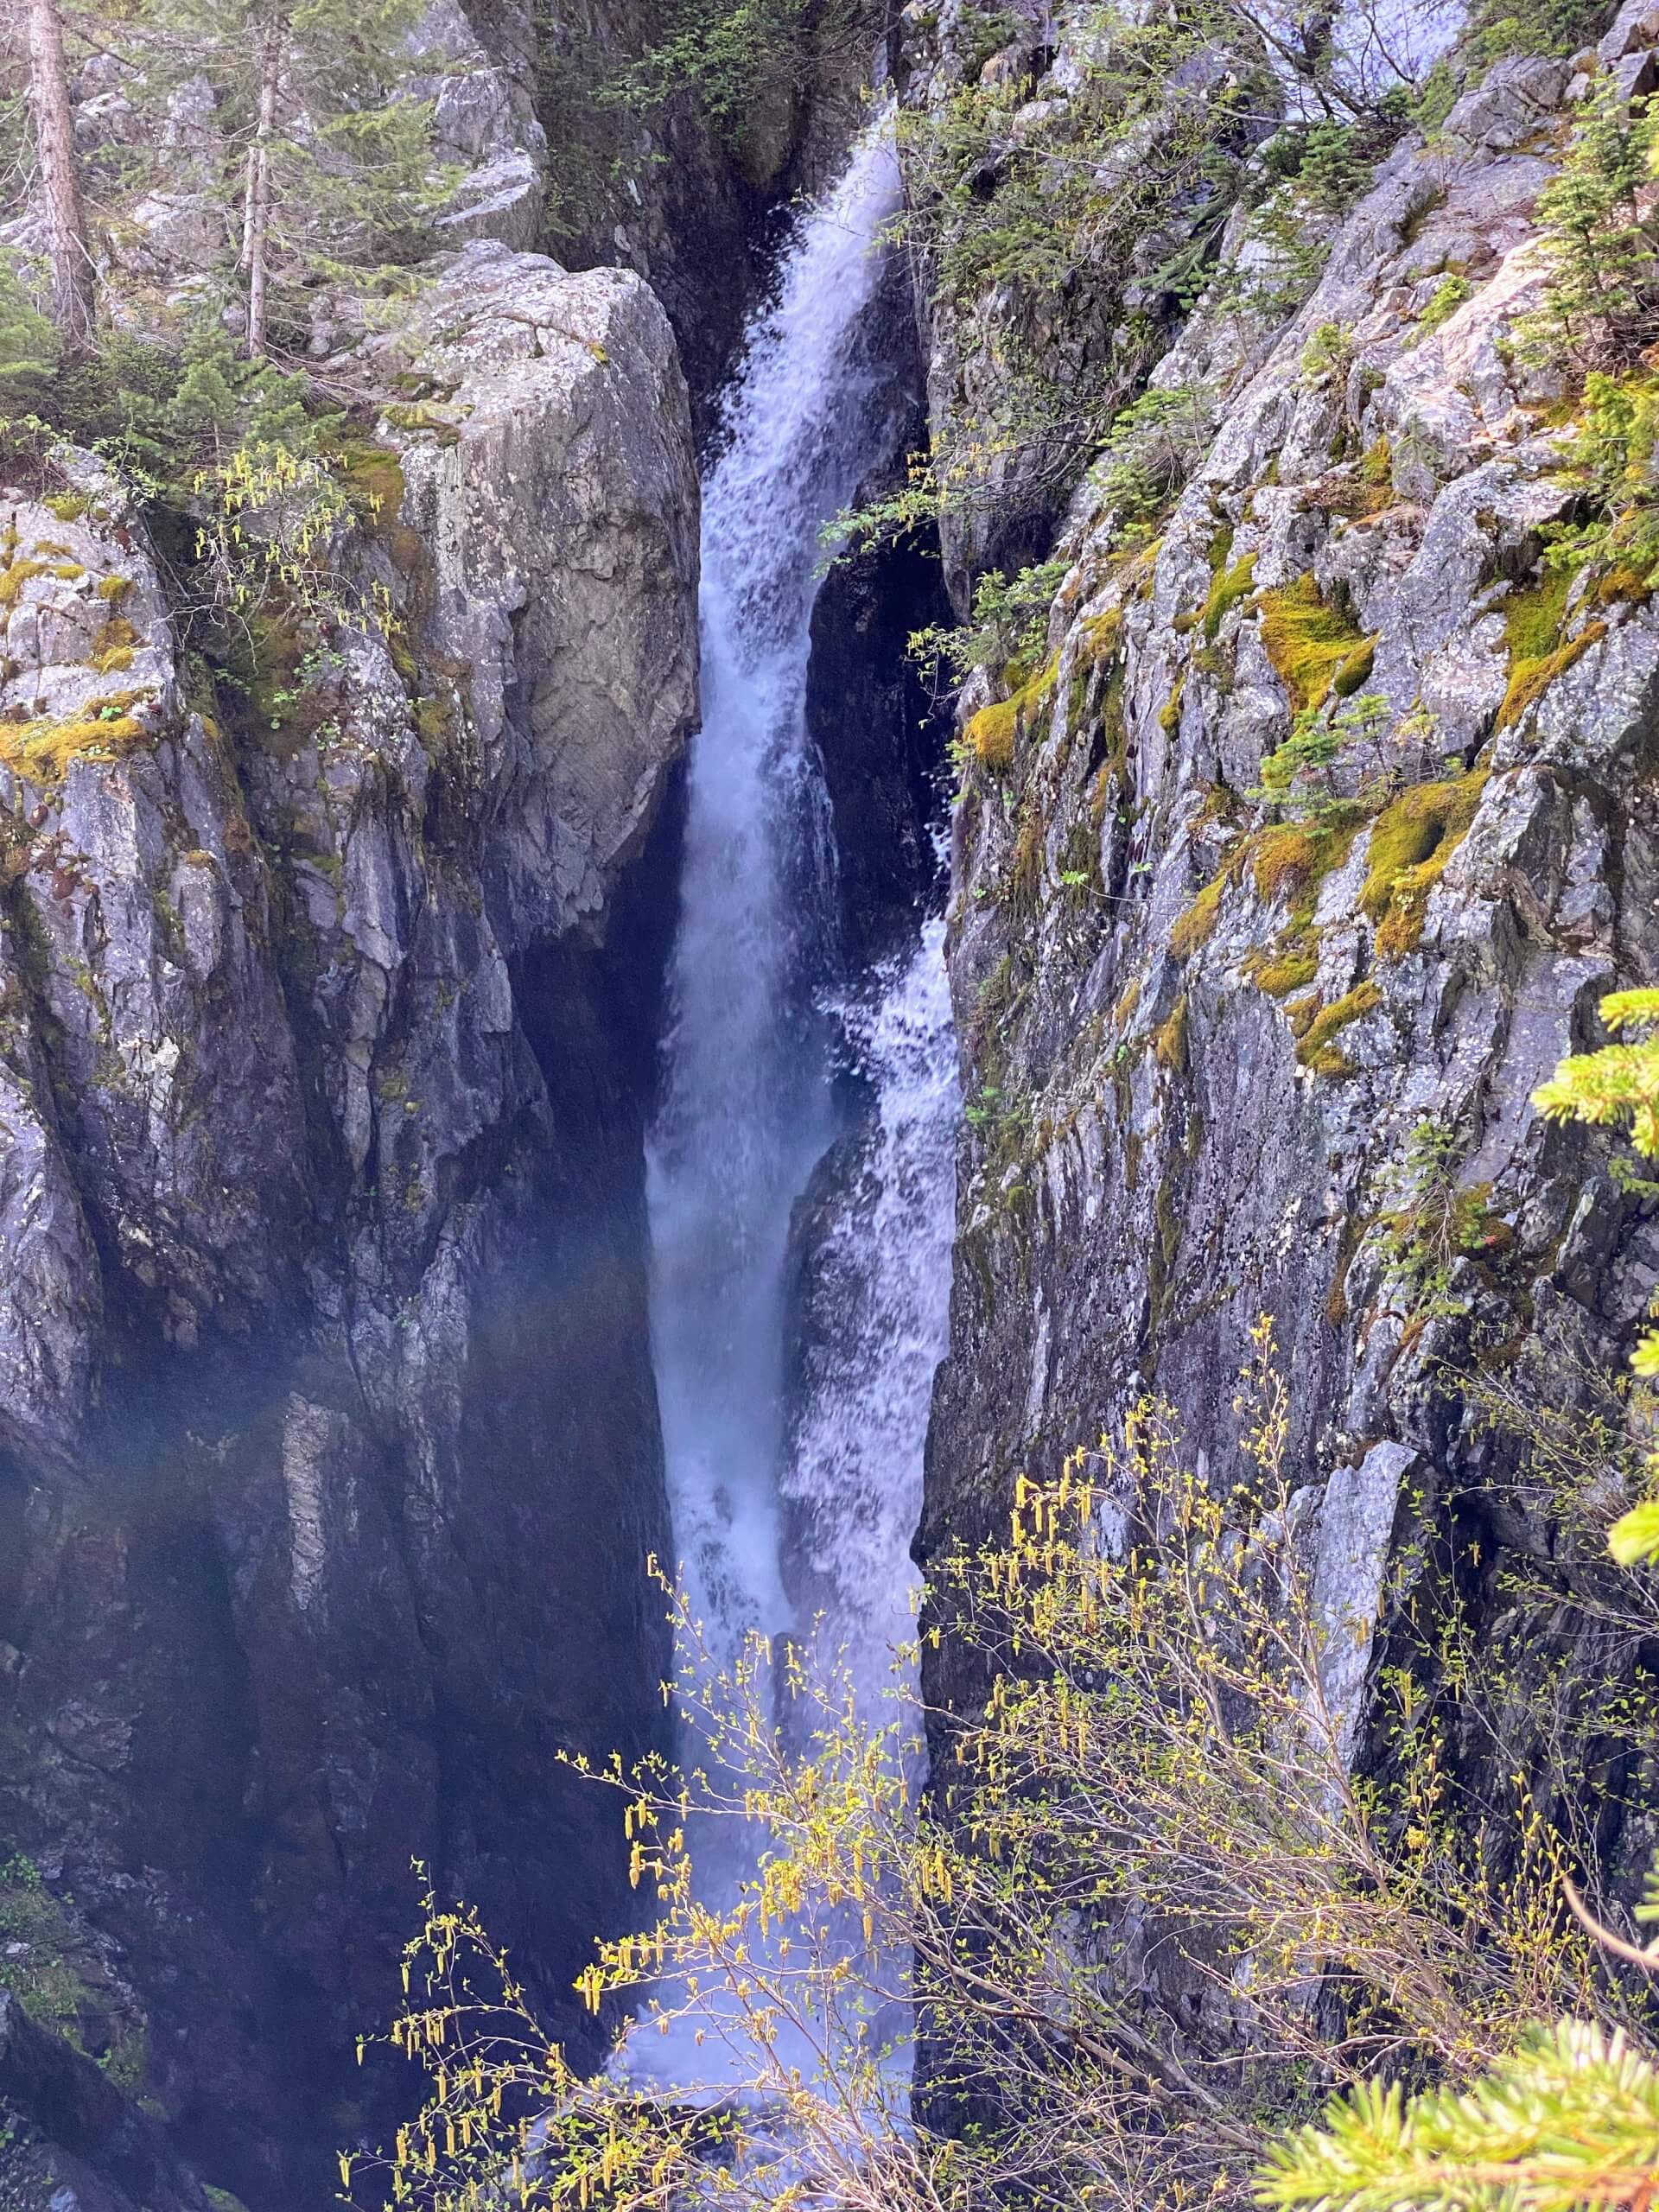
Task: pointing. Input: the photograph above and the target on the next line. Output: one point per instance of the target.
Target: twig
(1647, 1958)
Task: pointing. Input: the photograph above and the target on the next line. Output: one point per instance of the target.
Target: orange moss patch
(1623, 585)
(1194, 928)
(1169, 1039)
(1101, 635)
(1530, 679)
(1302, 1012)
(15, 575)
(1316, 1050)
(114, 645)
(1288, 964)
(43, 749)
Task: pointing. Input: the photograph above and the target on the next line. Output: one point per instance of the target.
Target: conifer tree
(69, 255)
(327, 159)
(29, 348)
(1603, 289)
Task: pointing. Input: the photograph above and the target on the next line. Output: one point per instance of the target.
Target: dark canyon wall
(330, 1449)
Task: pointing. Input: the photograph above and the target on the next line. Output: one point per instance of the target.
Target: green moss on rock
(1230, 585)
(1316, 1050)
(991, 735)
(1314, 648)
(1412, 841)
(1534, 621)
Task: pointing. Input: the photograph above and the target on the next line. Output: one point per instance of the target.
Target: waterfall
(771, 1511)
(852, 1476)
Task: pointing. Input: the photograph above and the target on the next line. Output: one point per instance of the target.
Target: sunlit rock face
(1208, 1073)
(330, 1450)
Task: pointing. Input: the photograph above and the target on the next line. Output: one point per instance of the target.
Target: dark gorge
(554, 1013)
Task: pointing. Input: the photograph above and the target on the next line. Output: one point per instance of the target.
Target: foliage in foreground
(1143, 1924)
(1144, 1917)
(1618, 1087)
(1571, 2116)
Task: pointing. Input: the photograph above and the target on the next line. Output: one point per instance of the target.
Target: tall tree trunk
(256, 204)
(73, 295)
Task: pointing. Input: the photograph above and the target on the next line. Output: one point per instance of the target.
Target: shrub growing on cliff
(1610, 451)
(1570, 2117)
(1599, 233)
(1152, 448)
(1350, 738)
(1008, 630)
(1499, 28)
(1156, 1795)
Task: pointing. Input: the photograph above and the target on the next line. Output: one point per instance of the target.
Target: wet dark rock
(330, 1459)
(871, 711)
(69, 2138)
(879, 732)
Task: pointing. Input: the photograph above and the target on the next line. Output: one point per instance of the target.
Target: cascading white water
(748, 1107)
(853, 1475)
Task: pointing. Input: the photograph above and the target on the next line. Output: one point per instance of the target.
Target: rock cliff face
(1218, 1051)
(329, 1454)
(328, 1447)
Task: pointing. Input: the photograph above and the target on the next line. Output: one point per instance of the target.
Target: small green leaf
(1630, 1009)
(1634, 1538)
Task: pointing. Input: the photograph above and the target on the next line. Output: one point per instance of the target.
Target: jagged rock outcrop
(100, 2152)
(1026, 365)
(329, 1454)
(1219, 1050)
(680, 181)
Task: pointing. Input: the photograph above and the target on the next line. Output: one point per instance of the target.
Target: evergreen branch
(1570, 2120)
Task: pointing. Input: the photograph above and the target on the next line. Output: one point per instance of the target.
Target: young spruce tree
(1602, 238)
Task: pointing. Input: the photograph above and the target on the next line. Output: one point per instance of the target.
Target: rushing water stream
(763, 1505)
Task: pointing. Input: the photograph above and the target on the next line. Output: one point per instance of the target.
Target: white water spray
(766, 1524)
(853, 1475)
